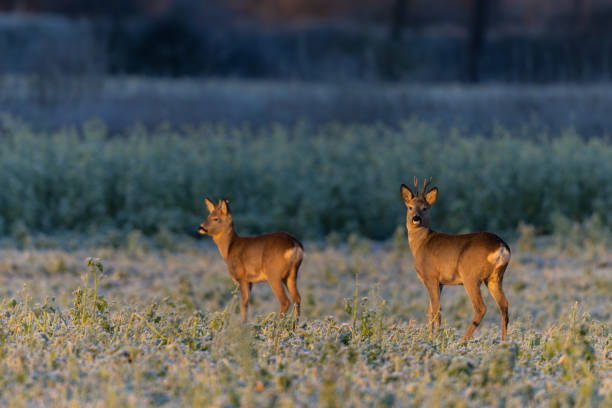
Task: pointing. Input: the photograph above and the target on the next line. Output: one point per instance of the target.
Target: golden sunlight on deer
(443, 259)
(275, 257)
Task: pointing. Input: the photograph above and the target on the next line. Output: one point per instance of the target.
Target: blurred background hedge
(308, 180)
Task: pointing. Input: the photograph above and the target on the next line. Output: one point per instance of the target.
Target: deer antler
(425, 184)
(416, 187)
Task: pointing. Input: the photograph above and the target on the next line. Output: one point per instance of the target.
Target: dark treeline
(482, 40)
(331, 53)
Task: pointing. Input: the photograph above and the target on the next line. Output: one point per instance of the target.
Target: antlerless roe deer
(443, 259)
(275, 257)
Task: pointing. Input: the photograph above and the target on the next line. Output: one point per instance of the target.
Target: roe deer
(275, 257)
(444, 259)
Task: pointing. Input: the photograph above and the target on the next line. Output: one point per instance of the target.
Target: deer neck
(417, 237)
(224, 241)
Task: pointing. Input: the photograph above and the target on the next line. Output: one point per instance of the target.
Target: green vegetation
(158, 323)
(311, 181)
(154, 327)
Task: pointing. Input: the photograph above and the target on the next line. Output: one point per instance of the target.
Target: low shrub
(310, 181)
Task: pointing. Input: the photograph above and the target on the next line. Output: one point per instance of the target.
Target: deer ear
(432, 196)
(223, 205)
(210, 205)
(407, 194)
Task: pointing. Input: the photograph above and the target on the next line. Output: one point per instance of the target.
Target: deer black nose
(202, 230)
(416, 219)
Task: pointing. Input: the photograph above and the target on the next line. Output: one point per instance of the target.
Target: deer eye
(410, 208)
(215, 219)
(425, 209)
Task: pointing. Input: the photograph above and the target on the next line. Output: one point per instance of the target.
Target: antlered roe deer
(444, 259)
(275, 257)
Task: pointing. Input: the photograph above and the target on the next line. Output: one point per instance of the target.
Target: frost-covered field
(50, 101)
(160, 327)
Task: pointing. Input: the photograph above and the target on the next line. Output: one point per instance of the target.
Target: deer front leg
(433, 288)
(438, 314)
(245, 289)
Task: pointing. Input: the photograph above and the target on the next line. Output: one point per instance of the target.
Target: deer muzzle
(202, 230)
(416, 219)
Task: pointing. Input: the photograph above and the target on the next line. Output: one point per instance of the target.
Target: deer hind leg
(473, 291)
(279, 291)
(495, 287)
(291, 283)
(434, 316)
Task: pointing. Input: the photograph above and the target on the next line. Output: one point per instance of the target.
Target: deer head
(417, 214)
(219, 220)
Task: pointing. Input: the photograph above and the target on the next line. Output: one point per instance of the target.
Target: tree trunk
(398, 19)
(581, 13)
(477, 37)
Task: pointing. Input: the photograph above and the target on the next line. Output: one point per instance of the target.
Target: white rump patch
(292, 254)
(499, 257)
